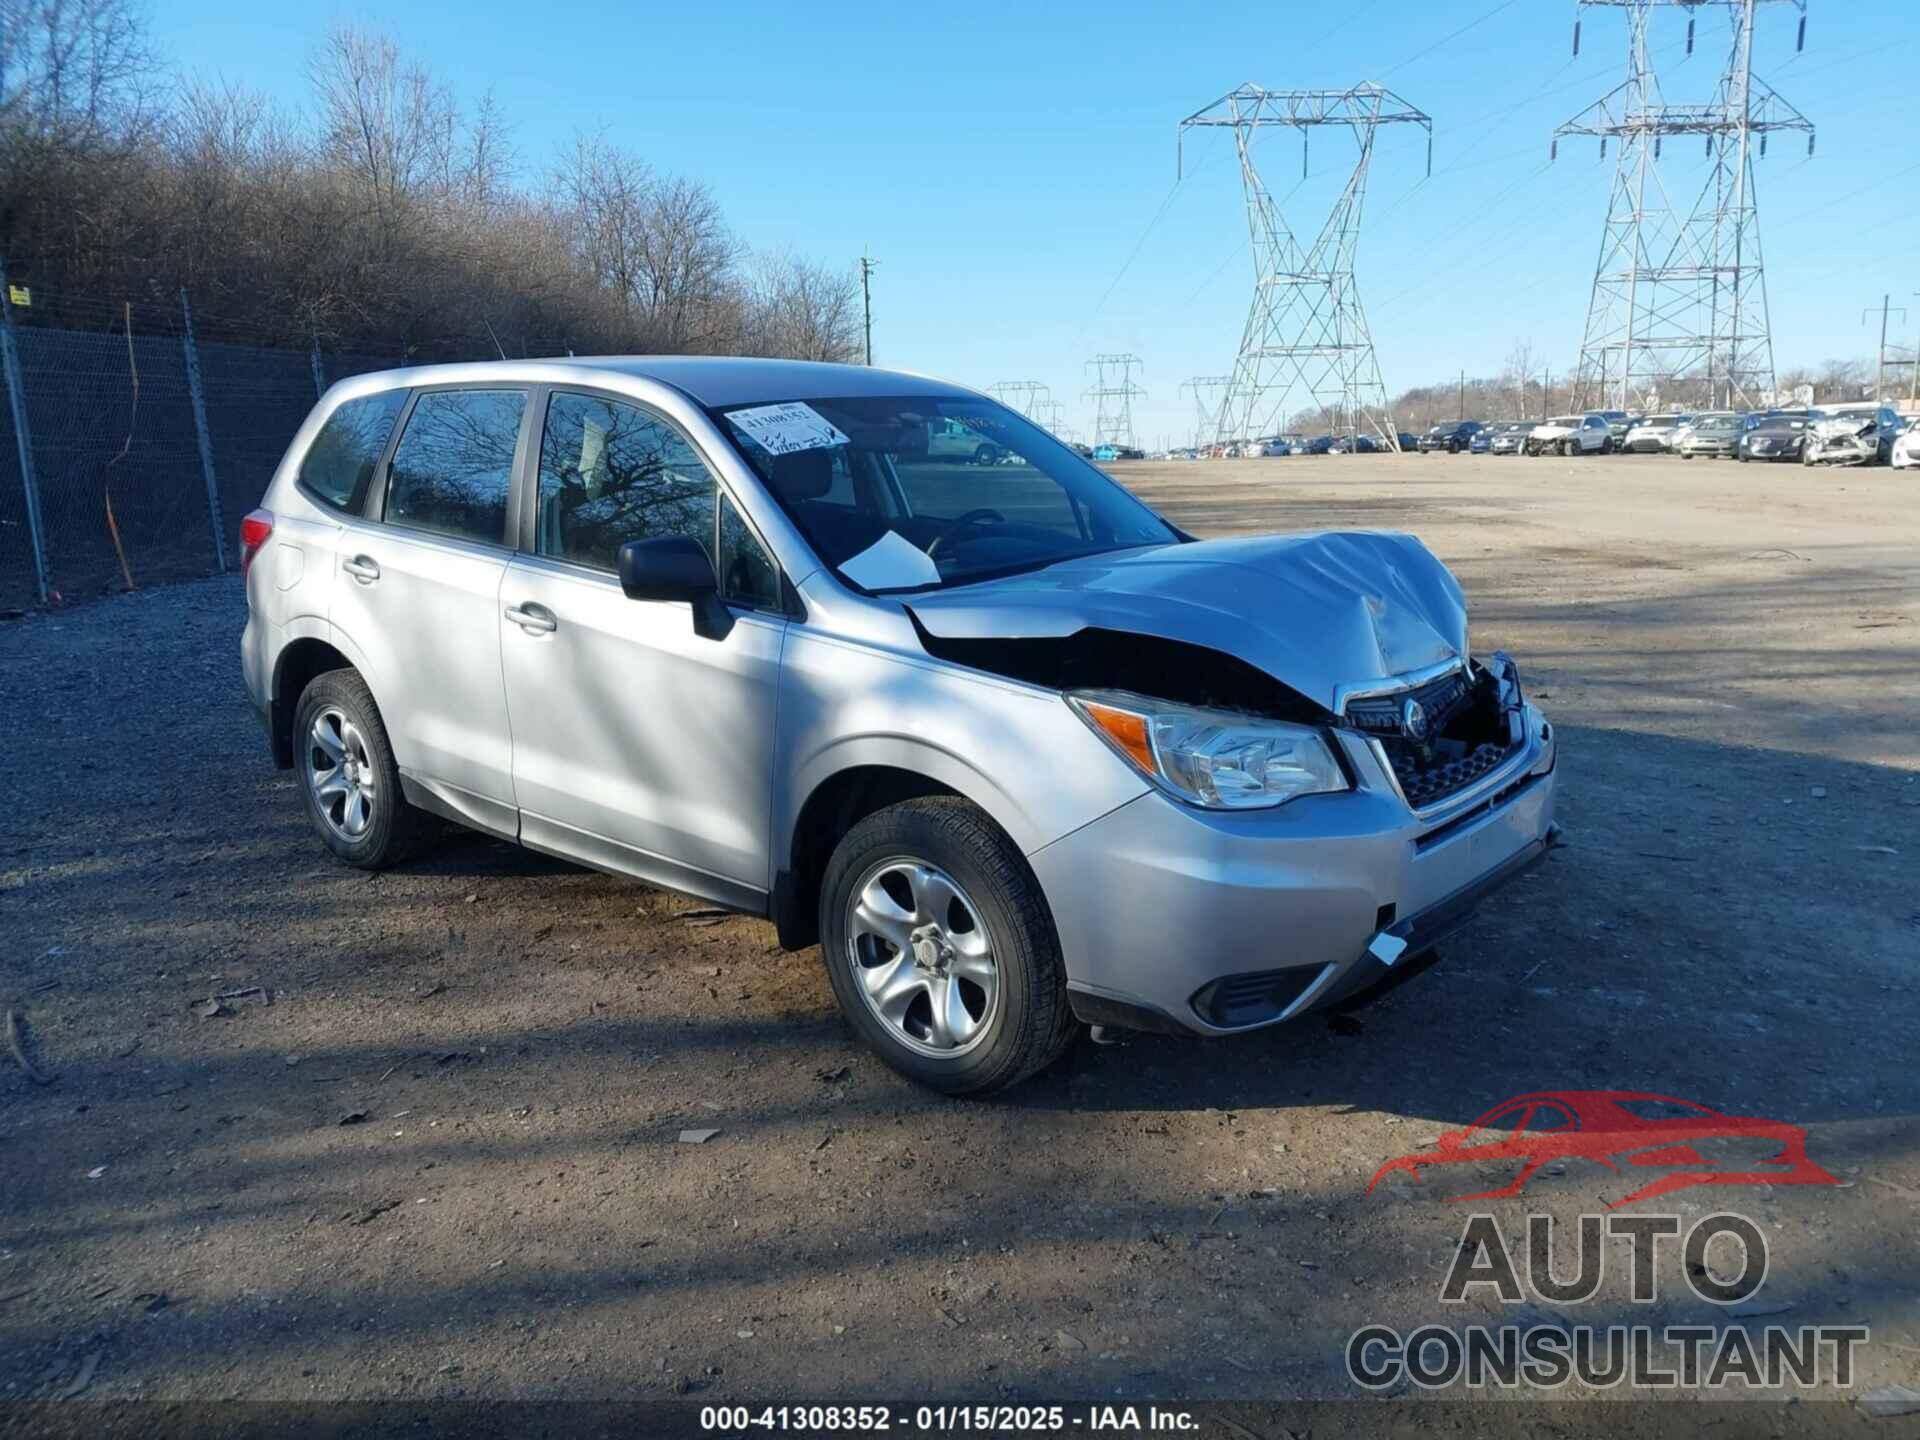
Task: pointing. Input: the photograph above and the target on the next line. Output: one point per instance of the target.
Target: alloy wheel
(340, 774)
(922, 958)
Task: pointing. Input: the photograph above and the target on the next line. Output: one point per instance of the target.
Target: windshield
(1718, 422)
(918, 491)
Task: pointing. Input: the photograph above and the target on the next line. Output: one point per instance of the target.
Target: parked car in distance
(952, 440)
(1687, 424)
(1013, 750)
(1619, 422)
(1860, 434)
(1355, 444)
(1651, 434)
(1906, 446)
(1571, 435)
(1452, 436)
(1319, 445)
(1776, 437)
(1508, 438)
(1711, 436)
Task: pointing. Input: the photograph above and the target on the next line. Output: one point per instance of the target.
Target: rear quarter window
(340, 462)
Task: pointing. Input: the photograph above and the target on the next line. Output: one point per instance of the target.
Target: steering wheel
(972, 517)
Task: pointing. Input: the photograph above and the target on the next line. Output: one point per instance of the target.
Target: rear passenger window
(454, 464)
(343, 455)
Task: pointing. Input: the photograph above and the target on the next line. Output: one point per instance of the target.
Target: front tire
(941, 950)
(349, 779)
(985, 455)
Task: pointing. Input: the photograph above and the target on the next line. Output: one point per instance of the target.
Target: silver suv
(1014, 750)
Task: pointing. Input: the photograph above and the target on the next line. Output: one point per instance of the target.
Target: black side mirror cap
(673, 567)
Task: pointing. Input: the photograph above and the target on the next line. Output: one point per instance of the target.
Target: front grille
(1465, 736)
(1441, 700)
(1424, 787)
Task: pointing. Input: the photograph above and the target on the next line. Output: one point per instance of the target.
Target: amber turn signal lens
(1126, 730)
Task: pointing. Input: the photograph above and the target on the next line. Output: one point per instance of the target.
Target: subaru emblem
(1413, 719)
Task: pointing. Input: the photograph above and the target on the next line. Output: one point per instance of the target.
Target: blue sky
(1012, 166)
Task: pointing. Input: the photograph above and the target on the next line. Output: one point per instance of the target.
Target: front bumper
(1841, 450)
(1214, 922)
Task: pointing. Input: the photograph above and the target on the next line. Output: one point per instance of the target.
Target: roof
(711, 380)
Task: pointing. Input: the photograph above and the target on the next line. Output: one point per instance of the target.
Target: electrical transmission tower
(1680, 294)
(1113, 394)
(1206, 417)
(1306, 331)
(1030, 397)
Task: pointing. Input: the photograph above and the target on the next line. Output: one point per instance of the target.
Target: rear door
(639, 745)
(418, 591)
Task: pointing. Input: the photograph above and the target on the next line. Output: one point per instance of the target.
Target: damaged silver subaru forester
(1012, 748)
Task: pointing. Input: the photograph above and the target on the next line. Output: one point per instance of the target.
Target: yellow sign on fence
(20, 295)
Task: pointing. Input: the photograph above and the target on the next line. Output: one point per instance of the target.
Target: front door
(638, 744)
(418, 597)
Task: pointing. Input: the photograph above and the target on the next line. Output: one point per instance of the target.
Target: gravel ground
(442, 1161)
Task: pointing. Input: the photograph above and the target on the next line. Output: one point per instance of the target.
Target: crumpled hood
(1316, 612)
(1843, 427)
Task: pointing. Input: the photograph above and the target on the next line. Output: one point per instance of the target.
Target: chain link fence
(130, 453)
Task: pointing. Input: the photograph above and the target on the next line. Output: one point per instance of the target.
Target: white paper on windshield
(783, 429)
(891, 563)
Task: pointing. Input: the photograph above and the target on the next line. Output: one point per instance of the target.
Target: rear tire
(985, 455)
(349, 779)
(975, 874)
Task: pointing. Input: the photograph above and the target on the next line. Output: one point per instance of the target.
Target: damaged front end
(1843, 442)
(1438, 735)
(1359, 634)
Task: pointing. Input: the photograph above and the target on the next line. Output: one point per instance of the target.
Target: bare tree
(803, 311)
(74, 67)
(385, 123)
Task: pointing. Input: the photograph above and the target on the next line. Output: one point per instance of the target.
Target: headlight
(1216, 758)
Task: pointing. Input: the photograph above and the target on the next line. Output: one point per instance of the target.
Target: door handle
(534, 619)
(362, 568)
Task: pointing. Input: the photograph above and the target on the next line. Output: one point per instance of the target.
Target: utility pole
(1680, 291)
(867, 266)
(1113, 397)
(1204, 415)
(1880, 368)
(1913, 385)
(1306, 330)
(1030, 397)
(1463, 394)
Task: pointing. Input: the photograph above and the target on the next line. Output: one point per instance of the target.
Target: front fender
(1015, 750)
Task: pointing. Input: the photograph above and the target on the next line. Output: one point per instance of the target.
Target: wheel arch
(299, 663)
(868, 778)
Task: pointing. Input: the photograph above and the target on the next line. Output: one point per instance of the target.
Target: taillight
(254, 532)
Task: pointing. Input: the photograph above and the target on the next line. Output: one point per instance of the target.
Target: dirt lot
(1732, 654)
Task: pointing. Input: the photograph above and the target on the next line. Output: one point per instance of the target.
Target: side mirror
(674, 567)
(671, 568)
